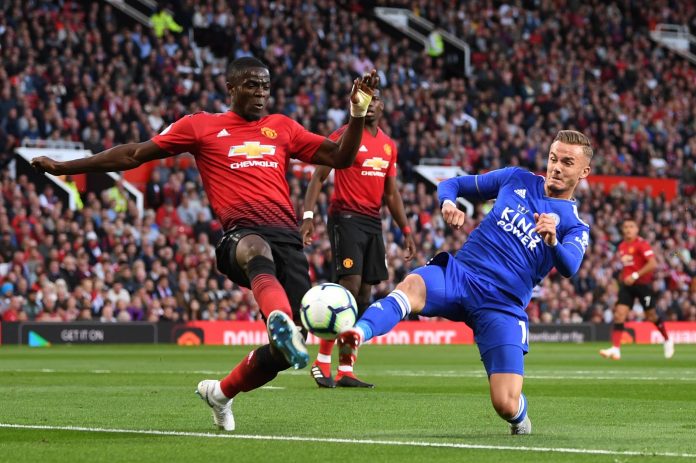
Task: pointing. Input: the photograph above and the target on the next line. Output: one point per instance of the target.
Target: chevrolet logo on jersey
(377, 165)
(254, 152)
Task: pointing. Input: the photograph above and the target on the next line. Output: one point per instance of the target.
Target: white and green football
(327, 309)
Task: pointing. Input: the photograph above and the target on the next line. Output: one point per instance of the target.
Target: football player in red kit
(355, 227)
(638, 260)
(243, 156)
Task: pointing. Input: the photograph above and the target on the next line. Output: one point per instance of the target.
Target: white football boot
(669, 348)
(222, 410)
(613, 353)
(524, 427)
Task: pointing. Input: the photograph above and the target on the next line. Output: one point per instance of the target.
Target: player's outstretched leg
(255, 370)
(275, 306)
(383, 315)
(321, 368)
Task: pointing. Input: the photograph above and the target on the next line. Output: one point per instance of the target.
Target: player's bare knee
(620, 313)
(414, 288)
(251, 246)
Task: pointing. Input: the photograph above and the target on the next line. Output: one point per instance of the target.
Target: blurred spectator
(153, 191)
(13, 311)
(70, 182)
(107, 313)
(118, 196)
(162, 21)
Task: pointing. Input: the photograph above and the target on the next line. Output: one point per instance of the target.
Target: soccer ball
(327, 309)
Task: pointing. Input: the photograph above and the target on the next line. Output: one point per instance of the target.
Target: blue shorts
(455, 293)
(504, 359)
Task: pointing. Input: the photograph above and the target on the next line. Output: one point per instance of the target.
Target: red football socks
(617, 334)
(660, 324)
(249, 374)
(326, 346)
(324, 367)
(270, 295)
(341, 374)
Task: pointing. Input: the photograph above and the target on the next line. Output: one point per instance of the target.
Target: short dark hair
(573, 137)
(238, 66)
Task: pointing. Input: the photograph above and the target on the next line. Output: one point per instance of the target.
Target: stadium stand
(83, 71)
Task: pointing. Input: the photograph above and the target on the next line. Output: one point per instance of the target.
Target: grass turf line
(614, 412)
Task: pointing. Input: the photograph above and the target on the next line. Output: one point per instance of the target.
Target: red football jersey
(634, 255)
(360, 187)
(243, 164)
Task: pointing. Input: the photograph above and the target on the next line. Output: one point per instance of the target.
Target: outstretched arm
(310, 200)
(118, 158)
(484, 186)
(392, 198)
(342, 154)
(475, 187)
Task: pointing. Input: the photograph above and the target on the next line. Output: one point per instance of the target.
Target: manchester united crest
(269, 133)
(347, 262)
(387, 150)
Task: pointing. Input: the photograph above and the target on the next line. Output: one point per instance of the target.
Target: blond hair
(573, 137)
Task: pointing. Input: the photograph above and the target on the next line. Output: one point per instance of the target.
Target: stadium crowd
(79, 71)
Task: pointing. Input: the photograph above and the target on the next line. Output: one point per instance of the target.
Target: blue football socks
(521, 413)
(383, 315)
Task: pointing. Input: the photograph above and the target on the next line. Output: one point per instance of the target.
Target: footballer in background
(635, 282)
(355, 227)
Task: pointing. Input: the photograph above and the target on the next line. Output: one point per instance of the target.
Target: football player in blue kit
(533, 227)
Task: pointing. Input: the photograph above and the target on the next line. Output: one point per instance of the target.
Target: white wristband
(635, 275)
(308, 215)
(359, 109)
(448, 201)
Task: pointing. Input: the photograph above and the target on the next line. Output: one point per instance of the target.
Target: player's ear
(585, 171)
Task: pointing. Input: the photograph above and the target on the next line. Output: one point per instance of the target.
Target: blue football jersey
(504, 249)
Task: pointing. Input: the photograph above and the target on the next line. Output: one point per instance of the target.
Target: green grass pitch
(137, 403)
